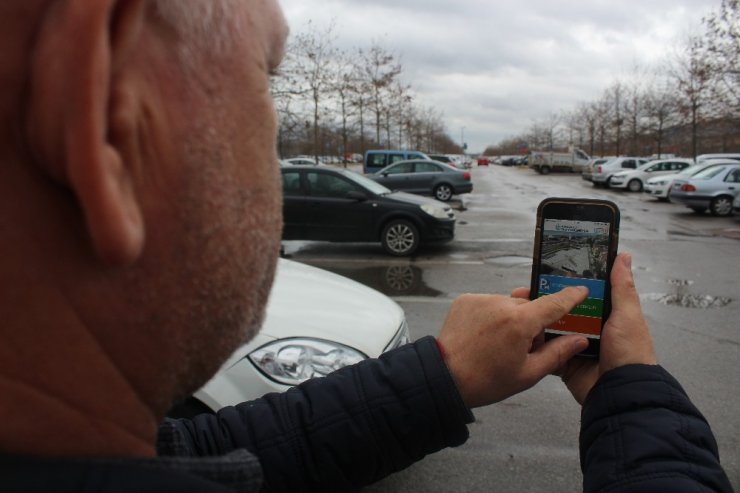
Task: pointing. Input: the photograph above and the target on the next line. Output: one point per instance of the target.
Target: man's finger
(521, 293)
(624, 293)
(554, 354)
(551, 308)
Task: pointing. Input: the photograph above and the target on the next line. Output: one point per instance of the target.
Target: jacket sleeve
(345, 430)
(640, 432)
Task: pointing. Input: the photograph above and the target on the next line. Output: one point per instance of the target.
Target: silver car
(715, 189)
(660, 186)
(433, 178)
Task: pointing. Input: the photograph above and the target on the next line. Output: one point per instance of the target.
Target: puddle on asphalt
(509, 260)
(391, 280)
(682, 297)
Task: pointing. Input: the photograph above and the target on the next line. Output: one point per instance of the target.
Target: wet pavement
(686, 269)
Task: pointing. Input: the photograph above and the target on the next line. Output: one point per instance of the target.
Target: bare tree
(380, 71)
(314, 55)
(692, 75)
(722, 43)
(660, 112)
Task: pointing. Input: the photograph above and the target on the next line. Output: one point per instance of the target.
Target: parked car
(714, 188)
(301, 161)
(603, 173)
(439, 180)
(306, 333)
(725, 156)
(333, 204)
(443, 158)
(588, 170)
(377, 160)
(634, 180)
(660, 186)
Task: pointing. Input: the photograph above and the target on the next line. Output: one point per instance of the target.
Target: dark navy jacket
(640, 433)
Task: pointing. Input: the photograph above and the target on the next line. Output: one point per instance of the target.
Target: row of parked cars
(384, 205)
(711, 183)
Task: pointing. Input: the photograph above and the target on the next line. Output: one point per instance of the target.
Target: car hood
(360, 317)
(413, 199)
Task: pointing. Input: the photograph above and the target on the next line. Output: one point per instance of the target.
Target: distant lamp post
(462, 139)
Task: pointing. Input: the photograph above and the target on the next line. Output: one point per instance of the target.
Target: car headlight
(292, 361)
(658, 183)
(436, 211)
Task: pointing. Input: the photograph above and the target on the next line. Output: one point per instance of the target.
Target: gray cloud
(494, 67)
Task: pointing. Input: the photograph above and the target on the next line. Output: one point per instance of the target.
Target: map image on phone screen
(575, 253)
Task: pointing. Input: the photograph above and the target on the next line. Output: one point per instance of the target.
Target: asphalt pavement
(686, 269)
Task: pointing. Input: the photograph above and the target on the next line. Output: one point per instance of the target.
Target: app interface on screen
(574, 253)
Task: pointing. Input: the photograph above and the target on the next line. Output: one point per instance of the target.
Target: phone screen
(575, 253)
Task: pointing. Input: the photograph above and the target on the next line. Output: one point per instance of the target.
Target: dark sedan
(426, 178)
(329, 204)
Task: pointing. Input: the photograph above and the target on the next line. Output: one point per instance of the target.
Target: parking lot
(686, 269)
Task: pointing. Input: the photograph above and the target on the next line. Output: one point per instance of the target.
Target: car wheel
(443, 192)
(608, 183)
(545, 170)
(721, 206)
(635, 186)
(400, 238)
(699, 210)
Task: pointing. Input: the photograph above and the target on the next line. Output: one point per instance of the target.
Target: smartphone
(575, 245)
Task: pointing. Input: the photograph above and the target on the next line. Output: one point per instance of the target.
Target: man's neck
(62, 392)
(36, 423)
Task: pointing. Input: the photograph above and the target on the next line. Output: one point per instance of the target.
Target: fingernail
(627, 259)
(581, 344)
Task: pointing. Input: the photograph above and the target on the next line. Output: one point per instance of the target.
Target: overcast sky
(496, 66)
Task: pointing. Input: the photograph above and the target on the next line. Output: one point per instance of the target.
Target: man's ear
(72, 117)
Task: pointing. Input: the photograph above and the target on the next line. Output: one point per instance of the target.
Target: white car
(602, 173)
(316, 322)
(660, 186)
(301, 161)
(634, 180)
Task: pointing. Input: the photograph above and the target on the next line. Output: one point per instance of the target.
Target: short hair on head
(208, 26)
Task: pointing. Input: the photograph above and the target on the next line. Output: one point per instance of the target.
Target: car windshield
(692, 170)
(367, 183)
(709, 173)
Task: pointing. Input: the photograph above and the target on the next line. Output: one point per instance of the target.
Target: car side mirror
(355, 195)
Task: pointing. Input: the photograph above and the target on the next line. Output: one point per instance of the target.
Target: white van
(705, 157)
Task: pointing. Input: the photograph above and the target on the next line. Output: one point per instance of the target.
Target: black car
(330, 204)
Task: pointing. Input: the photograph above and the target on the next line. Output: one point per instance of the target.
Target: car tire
(188, 409)
(635, 185)
(721, 206)
(400, 238)
(443, 192)
(545, 170)
(608, 183)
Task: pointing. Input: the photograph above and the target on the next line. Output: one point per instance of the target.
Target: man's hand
(625, 339)
(489, 343)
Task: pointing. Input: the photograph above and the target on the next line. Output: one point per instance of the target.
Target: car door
(731, 183)
(295, 211)
(426, 176)
(333, 214)
(397, 177)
